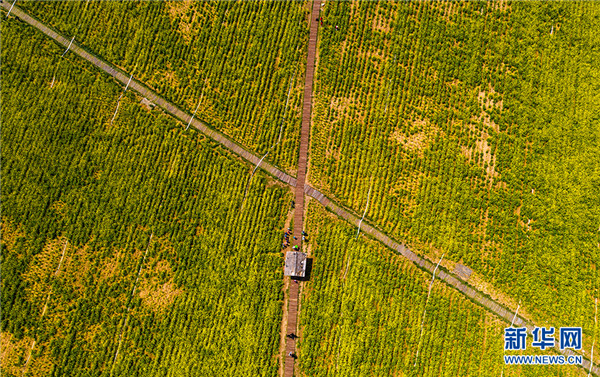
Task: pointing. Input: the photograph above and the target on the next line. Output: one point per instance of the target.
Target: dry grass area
(382, 22)
(482, 153)
(156, 287)
(12, 351)
(169, 76)
(450, 9)
(501, 5)
(60, 208)
(157, 295)
(407, 184)
(488, 100)
(419, 141)
(77, 265)
(177, 11)
(342, 106)
(488, 158)
(69, 266)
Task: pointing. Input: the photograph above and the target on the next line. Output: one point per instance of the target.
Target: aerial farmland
(300, 188)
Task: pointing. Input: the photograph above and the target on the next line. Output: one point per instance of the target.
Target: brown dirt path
(294, 288)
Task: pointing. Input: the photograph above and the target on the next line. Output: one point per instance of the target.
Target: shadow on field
(308, 272)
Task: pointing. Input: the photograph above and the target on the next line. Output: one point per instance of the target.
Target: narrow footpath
(294, 287)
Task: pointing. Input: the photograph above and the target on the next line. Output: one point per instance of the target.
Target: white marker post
(119, 100)
(194, 114)
(68, 47)
(366, 207)
(515, 316)
(11, 7)
(62, 257)
(128, 82)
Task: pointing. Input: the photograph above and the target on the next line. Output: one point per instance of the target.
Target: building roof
(295, 264)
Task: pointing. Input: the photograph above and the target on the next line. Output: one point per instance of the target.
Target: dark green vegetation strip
(208, 300)
(479, 123)
(238, 57)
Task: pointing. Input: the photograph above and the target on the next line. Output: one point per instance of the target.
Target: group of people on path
(286, 239)
(293, 337)
(321, 19)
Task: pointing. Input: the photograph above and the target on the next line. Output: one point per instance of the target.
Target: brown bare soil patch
(178, 13)
(454, 82)
(450, 9)
(93, 336)
(410, 185)
(77, 265)
(500, 5)
(40, 365)
(489, 100)
(157, 297)
(374, 56)
(111, 267)
(342, 106)
(170, 76)
(158, 293)
(11, 351)
(419, 141)
(482, 152)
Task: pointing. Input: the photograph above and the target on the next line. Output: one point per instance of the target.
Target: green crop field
(233, 61)
(362, 312)
(132, 246)
(80, 200)
(478, 127)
